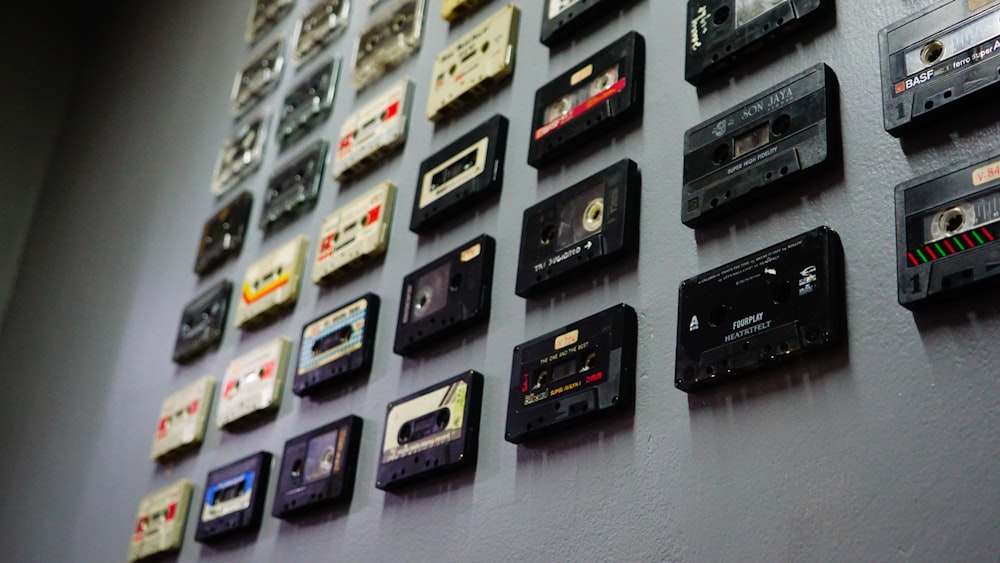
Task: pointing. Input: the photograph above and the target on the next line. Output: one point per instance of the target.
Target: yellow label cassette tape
(183, 417)
(159, 525)
(452, 10)
(355, 233)
(271, 284)
(474, 63)
(372, 131)
(253, 382)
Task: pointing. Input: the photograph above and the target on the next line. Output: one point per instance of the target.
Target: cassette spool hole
(593, 216)
(781, 125)
(780, 292)
(720, 154)
(721, 15)
(297, 469)
(589, 361)
(548, 234)
(932, 52)
(717, 315)
(952, 220)
(456, 282)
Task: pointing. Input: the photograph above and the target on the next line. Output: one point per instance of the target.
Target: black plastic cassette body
(319, 26)
(562, 19)
(573, 374)
(784, 301)
(318, 468)
(309, 104)
(234, 498)
(761, 145)
(203, 322)
(294, 189)
(938, 60)
(588, 100)
(582, 227)
(722, 32)
(338, 345)
(222, 236)
(462, 173)
(451, 293)
(947, 226)
(431, 431)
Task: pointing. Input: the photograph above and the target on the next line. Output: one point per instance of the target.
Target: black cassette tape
(318, 468)
(431, 431)
(765, 143)
(308, 104)
(464, 172)
(721, 32)
(580, 228)
(561, 19)
(294, 189)
(202, 322)
(784, 301)
(222, 236)
(946, 232)
(338, 345)
(573, 374)
(939, 60)
(234, 498)
(588, 100)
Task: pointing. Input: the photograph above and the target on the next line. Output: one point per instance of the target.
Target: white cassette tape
(253, 382)
(372, 131)
(271, 284)
(319, 26)
(264, 16)
(470, 66)
(159, 525)
(393, 35)
(241, 155)
(258, 77)
(183, 417)
(355, 233)
(452, 10)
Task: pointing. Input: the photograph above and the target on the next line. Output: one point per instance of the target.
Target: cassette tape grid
(318, 28)
(160, 522)
(392, 36)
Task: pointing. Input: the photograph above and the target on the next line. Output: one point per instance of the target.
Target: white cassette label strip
(253, 382)
(357, 231)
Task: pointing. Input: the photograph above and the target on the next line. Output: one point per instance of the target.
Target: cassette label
(202, 322)
(570, 375)
(183, 417)
(159, 525)
(234, 498)
(563, 19)
(354, 234)
(222, 236)
(761, 145)
(431, 431)
(258, 78)
(309, 104)
(589, 99)
(580, 228)
(271, 284)
(337, 345)
(241, 156)
(317, 29)
(294, 189)
(474, 64)
(449, 294)
(393, 35)
(452, 10)
(784, 301)
(373, 131)
(264, 16)
(253, 382)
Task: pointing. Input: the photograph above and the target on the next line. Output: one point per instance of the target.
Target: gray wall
(886, 450)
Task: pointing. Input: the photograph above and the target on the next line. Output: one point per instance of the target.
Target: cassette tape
(585, 102)
(373, 131)
(579, 229)
(431, 431)
(459, 175)
(946, 232)
(772, 140)
(784, 301)
(563, 19)
(308, 104)
(453, 10)
(258, 78)
(393, 35)
(271, 284)
(338, 345)
(318, 468)
(294, 189)
(317, 29)
(355, 233)
(939, 60)
(159, 525)
(234, 498)
(474, 64)
(722, 32)
(222, 236)
(241, 155)
(253, 383)
(264, 16)
(450, 294)
(183, 417)
(573, 374)
(202, 322)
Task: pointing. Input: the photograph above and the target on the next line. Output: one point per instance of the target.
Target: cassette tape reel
(253, 383)
(947, 231)
(264, 16)
(431, 431)
(159, 525)
(293, 190)
(562, 19)
(355, 234)
(782, 302)
(258, 78)
(317, 29)
(241, 155)
(450, 294)
(761, 145)
(271, 284)
(573, 374)
(474, 64)
(318, 468)
(309, 104)
(585, 102)
(393, 35)
(373, 131)
(453, 10)
(183, 417)
(234, 498)
(338, 345)
(222, 236)
(579, 229)
(203, 322)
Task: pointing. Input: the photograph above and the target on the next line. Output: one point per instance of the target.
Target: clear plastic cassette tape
(309, 104)
(355, 233)
(393, 35)
(372, 131)
(253, 383)
(293, 190)
(271, 284)
(264, 16)
(183, 417)
(258, 78)
(159, 524)
(241, 155)
(317, 29)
